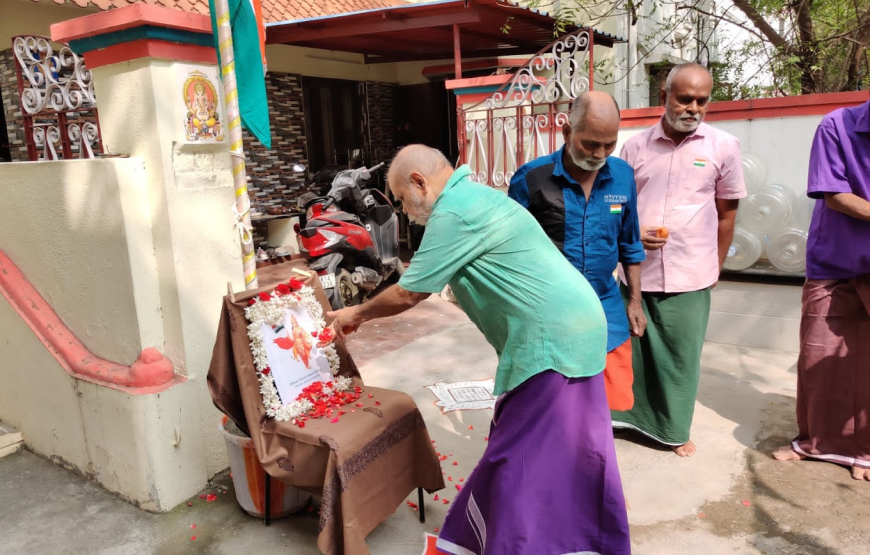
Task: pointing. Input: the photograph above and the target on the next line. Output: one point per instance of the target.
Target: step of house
(11, 440)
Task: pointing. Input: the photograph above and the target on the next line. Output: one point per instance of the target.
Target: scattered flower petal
(485, 438)
(471, 427)
(445, 501)
(193, 526)
(189, 504)
(436, 530)
(455, 463)
(746, 503)
(436, 498)
(192, 538)
(458, 487)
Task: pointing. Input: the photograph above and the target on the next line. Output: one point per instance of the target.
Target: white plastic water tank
(768, 209)
(754, 171)
(745, 250)
(787, 250)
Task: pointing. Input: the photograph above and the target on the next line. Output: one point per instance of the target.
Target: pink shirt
(676, 188)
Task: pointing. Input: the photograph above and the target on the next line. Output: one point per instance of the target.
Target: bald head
(591, 132)
(596, 105)
(417, 176)
(690, 74)
(687, 91)
(425, 160)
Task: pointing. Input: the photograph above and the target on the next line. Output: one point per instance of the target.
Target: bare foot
(686, 450)
(786, 453)
(859, 473)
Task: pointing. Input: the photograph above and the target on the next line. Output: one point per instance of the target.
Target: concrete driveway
(731, 498)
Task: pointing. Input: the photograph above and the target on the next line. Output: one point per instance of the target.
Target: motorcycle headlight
(331, 237)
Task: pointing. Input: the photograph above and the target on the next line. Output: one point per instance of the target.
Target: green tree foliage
(791, 46)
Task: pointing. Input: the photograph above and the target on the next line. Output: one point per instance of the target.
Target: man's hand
(636, 318)
(344, 322)
(650, 237)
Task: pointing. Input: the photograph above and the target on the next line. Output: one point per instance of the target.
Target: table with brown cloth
(363, 466)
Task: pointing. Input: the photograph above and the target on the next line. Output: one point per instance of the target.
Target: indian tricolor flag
(249, 52)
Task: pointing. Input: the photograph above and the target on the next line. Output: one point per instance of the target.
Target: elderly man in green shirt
(548, 482)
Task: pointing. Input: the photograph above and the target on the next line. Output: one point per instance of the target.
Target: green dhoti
(667, 365)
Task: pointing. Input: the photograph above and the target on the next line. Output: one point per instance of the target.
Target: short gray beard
(586, 164)
(682, 126)
(421, 207)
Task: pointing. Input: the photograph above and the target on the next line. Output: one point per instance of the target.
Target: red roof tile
(273, 10)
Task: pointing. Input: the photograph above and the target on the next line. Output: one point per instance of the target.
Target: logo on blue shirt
(615, 199)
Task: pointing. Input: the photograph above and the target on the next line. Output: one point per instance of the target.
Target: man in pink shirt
(689, 178)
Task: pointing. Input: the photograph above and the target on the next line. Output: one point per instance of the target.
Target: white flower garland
(271, 312)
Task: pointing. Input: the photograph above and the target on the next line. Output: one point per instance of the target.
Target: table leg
(421, 505)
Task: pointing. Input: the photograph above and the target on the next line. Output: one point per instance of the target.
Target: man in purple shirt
(833, 393)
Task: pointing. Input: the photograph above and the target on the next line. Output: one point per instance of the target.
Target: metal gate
(58, 106)
(523, 119)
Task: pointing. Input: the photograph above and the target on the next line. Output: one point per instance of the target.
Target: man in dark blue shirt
(586, 201)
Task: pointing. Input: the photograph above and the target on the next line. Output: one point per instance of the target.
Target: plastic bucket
(249, 480)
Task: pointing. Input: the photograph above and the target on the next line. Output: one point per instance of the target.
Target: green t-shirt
(532, 305)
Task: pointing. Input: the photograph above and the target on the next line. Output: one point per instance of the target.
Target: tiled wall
(12, 106)
(270, 172)
(272, 181)
(380, 102)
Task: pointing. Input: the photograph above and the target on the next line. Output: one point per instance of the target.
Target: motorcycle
(351, 238)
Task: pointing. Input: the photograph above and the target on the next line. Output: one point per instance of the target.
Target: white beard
(683, 124)
(587, 164)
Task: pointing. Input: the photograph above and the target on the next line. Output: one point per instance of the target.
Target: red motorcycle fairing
(357, 236)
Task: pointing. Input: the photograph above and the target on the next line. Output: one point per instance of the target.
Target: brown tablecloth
(363, 466)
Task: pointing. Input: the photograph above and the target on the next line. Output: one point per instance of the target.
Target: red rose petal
(450, 478)
(371, 395)
(264, 296)
(445, 501)
(485, 438)
(471, 427)
(334, 420)
(746, 503)
(295, 284)
(436, 530)
(436, 498)
(702, 515)
(193, 525)
(455, 463)
(359, 405)
(266, 371)
(189, 504)
(210, 497)
(192, 538)
(377, 403)
(252, 302)
(458, 487)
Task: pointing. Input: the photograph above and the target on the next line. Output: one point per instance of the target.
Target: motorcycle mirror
(299, 168)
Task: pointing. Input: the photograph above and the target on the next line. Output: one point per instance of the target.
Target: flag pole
(237, 153)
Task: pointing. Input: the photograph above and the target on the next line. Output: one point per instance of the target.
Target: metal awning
(429, 31)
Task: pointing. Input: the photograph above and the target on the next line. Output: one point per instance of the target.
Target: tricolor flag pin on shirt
(700, 162)
(616, 209)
